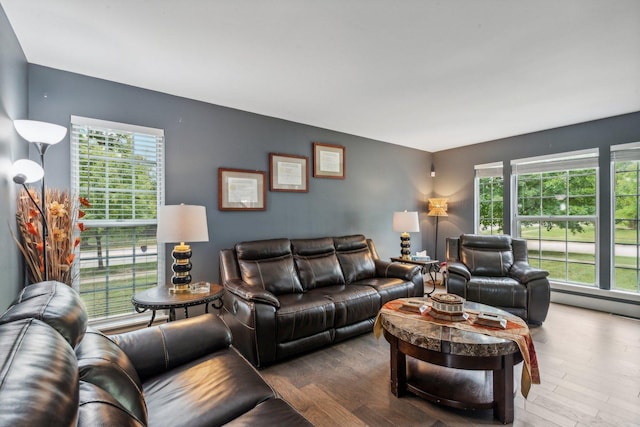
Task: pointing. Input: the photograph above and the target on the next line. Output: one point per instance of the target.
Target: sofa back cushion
(269, 265)
(54, 303)
(317, 263)
(486, 255)
(38, 376)
(102, 363)
(355, 258)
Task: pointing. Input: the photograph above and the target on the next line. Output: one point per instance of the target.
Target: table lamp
(405, 223)
(179, 224)
(437, 208)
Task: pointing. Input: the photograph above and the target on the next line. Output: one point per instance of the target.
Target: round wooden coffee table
(160, 298)
(443, 348)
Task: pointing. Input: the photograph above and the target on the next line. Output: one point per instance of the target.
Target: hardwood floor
(589, 363)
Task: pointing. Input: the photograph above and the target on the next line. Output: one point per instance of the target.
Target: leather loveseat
(494, 270)
(54, 371)
(285, 297)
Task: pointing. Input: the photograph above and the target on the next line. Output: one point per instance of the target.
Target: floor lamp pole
(42, 148)
(436, 249)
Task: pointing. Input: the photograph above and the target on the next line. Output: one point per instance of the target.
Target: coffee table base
(454, 387)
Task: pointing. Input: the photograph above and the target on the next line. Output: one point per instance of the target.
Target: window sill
(126, 323)
(610, 301)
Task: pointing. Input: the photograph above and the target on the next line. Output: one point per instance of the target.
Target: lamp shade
(182, 223)
(43, 132)
(406, 222)
(26, 171)
(437, 207)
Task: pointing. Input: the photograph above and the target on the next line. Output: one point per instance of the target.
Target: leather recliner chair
(494, 270)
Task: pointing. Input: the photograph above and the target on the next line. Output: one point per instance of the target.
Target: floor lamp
(42, 135)
(437, 208)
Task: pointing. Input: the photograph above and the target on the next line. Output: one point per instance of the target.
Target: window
(625, 167)
(489, 191)
(557, 212)
(119, 168)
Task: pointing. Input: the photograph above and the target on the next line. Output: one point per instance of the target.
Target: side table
(430, 267)
(160, 298)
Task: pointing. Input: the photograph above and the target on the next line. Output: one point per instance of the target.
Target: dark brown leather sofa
(285, 297)
(494, 270)
(56, 372)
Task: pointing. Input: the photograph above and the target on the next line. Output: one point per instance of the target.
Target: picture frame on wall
(241, 190)
(288, 172)
(328, 161)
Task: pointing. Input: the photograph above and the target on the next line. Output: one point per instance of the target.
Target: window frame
(622, 153)
(486, 170)
(559, 162)
(78, 123)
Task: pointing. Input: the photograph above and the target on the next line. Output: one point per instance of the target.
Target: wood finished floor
(589, 363)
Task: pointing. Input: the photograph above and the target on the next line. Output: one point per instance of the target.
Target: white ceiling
(428, 74)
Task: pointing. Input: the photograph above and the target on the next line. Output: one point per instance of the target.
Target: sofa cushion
(54, 303)
(357, 265)
(36, 383)
(268, 264)
(317, 262)
(486, 255)
(99, 408)
(212, 390)
(103, 363)
(303, 315)
(389, 288)
(353, 303)
(497, 291)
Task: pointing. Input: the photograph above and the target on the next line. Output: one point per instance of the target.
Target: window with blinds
(625, 170)
(119, 169)
(556, 210)
(489, 198)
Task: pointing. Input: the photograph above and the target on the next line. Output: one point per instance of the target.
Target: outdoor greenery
(118, 174)
(491, 190)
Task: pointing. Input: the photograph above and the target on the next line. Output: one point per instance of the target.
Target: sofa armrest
(161, 348)
(395, 269)
(524, 273)
(459, 269)
(251, 293)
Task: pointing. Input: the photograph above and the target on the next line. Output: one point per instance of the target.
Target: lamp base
(181, 268)
(405, 246)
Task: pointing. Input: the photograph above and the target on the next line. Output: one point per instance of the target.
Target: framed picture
(288, 173)
(241, 190)
(328, 161)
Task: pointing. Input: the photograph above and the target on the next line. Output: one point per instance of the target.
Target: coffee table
(160, 298)
(443, 348)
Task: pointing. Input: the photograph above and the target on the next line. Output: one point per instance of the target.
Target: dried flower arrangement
(63, 214)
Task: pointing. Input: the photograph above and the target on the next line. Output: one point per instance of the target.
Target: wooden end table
(160, 298)
(443, 348)
(430, 267)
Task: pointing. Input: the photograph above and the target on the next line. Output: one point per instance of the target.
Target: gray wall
(13, 105)
(380, 178)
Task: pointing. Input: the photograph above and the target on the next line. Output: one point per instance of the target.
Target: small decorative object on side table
(161, 298)
(430, 267)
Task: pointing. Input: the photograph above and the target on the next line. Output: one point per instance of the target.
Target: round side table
(160, 298)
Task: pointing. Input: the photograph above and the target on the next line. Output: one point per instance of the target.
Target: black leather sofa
(54, 371)
(494, 270)
(285, 297)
